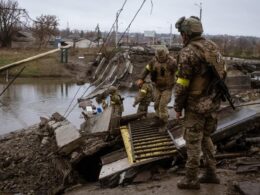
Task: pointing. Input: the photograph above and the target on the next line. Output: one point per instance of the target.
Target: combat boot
(188, 183)
(163, 128)
(209, 176)
(156, 122)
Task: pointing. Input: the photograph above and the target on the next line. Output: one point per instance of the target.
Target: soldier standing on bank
(196, 95)
(144, 97)
(162, 70)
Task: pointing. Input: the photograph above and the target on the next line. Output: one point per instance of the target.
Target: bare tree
(44, 27)
(10, 21)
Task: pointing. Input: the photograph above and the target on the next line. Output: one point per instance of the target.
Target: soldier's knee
(192, 135)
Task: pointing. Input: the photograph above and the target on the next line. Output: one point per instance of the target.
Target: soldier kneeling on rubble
(144, 97)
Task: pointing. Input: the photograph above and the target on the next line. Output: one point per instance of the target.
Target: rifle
(220, 86)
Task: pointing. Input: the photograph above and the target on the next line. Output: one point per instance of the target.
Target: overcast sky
(234, 17)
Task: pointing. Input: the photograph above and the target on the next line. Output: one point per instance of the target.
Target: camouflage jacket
(116, 101)
(162, 74)
(145, 94)
(193, 78)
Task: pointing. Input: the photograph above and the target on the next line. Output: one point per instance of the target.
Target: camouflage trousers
(161, 100)
(143, 107)
(115, 119)
(197, 130)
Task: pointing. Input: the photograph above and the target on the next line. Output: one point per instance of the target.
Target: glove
(139, 82)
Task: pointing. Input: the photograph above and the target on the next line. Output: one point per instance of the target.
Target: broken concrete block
(248, 188)
(67, 138)
(50, 123)
(45, 141)
(44, 121)
(57, 117)
(56, 125)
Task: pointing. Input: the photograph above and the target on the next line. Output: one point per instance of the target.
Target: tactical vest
(208, 53)
(164, 74)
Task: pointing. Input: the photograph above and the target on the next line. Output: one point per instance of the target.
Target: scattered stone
(57, 117)
(45, 141)
(44, 121)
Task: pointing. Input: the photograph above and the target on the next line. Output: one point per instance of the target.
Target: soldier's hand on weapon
(178, 115)
(139, 82)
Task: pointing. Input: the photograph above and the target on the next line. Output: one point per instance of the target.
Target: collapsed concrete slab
(152, 147)
(67, 137)
(98, 124)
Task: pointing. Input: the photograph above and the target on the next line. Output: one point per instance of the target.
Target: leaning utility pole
(171, 35)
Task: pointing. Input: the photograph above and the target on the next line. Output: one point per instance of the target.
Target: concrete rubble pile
(55, 155)
(96, 159)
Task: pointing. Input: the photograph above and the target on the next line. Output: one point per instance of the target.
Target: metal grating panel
(143, 141)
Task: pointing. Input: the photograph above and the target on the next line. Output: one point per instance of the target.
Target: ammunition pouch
(154, 76)
(204, 104)
(162, 71)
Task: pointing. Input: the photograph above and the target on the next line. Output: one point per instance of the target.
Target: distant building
(150, 37)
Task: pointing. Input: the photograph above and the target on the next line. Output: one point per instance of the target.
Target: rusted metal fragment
(113, 156)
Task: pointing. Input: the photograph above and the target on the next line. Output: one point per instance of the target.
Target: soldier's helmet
(161, 54)
(112, 89)
(191, 25)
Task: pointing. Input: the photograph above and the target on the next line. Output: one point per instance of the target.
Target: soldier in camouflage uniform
(162, 70)
(116, 102)
(195, 94)
(144, 97)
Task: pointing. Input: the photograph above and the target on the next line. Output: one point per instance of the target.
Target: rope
(72, 101)
(117, 16)
(131, 22)
(114, 48)
(66, 116)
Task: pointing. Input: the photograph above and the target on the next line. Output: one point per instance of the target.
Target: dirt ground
(26, 162)
(167, 185)
(27, 166)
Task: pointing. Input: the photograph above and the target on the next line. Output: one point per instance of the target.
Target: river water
(29, 98)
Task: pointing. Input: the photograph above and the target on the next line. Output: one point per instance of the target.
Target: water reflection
(28, 99)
